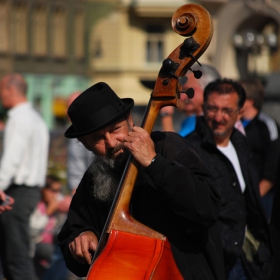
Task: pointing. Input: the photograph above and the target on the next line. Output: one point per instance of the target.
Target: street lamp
(251, 44)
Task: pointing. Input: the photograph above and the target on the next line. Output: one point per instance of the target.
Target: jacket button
(234, 184)
(235, 243)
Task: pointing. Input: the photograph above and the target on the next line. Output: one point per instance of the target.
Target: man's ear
(82, 140)
(250, 101)
(240, 113)
(203, 108)
(130, 120)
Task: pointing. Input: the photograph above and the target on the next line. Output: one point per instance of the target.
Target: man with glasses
(224, 150)
(192, 107)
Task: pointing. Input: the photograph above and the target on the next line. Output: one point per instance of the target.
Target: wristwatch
(165, 114)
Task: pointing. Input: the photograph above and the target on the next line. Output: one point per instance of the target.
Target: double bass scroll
(128, 249)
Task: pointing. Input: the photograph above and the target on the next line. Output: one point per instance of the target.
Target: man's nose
(219, 116)
(110, 140)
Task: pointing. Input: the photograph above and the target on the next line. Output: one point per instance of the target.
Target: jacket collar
(204, 132)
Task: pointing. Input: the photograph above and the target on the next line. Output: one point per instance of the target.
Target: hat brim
(72, 133)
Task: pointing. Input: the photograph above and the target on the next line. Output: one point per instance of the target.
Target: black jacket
(175, 195)
(238, 209)
(262, 134)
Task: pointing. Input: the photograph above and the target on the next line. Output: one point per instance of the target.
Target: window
(19, 35)
(97, 48)
(79, 34)
(58, 33)
(154, 44)
(39, 31)
(4, 31)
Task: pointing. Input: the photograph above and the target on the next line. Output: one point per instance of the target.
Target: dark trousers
(58, 269)
(1, 271)
(14, 233)
(237, 272)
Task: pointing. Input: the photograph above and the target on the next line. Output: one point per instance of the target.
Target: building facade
(45, 41)
(130, 40)
(62, 46)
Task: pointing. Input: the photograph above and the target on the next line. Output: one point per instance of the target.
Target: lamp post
(251, 44)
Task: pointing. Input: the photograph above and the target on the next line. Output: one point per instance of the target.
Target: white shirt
(230, 152)
(25, 148)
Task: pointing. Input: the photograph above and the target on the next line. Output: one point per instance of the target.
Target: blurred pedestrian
(22, 175)
(43, 223)
(78, 157)
(275, 226)
(191, 107)
(262, 133)
(78, 160)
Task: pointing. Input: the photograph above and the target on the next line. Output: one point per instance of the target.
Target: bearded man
(174, 192)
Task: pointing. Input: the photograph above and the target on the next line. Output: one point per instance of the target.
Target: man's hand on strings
(82, 246)
(140, 144)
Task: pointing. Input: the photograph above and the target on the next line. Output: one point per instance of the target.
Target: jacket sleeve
(79, 220)
(185, 184)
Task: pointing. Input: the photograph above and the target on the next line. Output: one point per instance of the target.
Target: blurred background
(62, 46)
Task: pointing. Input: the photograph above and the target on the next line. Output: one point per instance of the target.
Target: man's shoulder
(192, 134)
(85, 183)
(166, 137)
(170, 141)
(30, 121)
(25, 112)
(193, 138)
(201, 132)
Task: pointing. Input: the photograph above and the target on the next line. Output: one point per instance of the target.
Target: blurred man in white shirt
(22, 175)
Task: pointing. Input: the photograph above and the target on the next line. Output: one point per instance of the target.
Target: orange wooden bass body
(127, 249)
(129, 256)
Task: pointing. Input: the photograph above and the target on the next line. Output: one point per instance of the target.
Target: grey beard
(106, 174)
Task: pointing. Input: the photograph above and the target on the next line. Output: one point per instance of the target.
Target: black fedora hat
(95, 108)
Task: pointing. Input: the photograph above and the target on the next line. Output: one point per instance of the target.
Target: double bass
(128, 249)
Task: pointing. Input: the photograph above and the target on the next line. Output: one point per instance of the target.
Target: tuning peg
(197, 73)
(190, 93)
(168, 68)
(183, 80)
(188, 47)
(190, 44)
(167, 64)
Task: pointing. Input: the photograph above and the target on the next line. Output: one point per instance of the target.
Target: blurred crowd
(34, 199)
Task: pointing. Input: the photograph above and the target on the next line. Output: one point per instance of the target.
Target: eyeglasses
(53, 190)
(213, 110)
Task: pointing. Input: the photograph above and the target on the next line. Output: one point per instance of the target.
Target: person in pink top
(43, 224)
